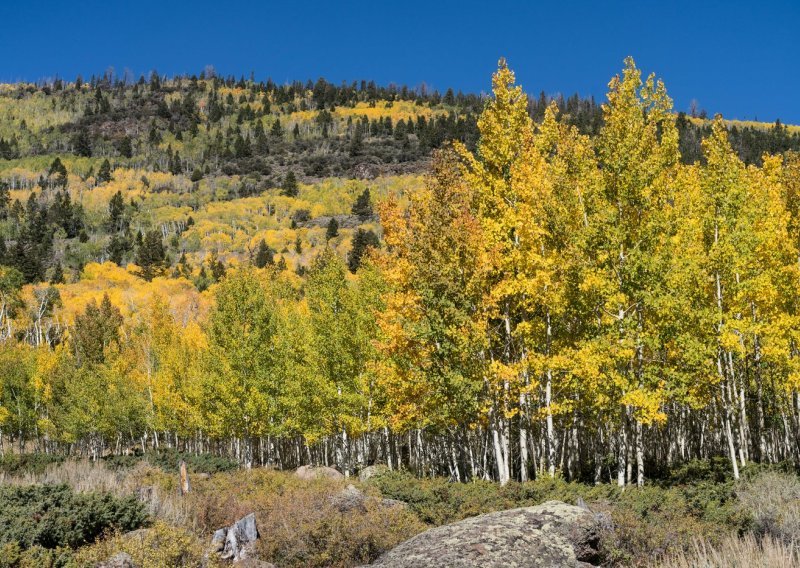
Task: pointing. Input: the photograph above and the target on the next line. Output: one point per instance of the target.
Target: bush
(156, 547)
(169, 459)
(772, 500)
(13, 556)
(52, 516)
(21, 464)
(301, 524)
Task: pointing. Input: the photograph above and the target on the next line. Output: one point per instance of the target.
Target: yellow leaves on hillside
(129, 293)
(399, 110)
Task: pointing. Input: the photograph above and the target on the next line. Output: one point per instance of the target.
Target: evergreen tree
(289, 186)
(277, 129)
(362, 241)
(81, 145)
(57, 277)
(363, 206)
(104, 173)
(264, 256)
(150, 255)
(332, 230)
(58, 173)
(356, 142)
(125, 147)
(216, 266)
(117, 248)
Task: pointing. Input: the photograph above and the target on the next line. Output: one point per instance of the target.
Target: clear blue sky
(735, 57)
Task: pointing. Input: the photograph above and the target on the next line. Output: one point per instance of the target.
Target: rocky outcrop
(550, 535)
(236, 541)
(315, 472)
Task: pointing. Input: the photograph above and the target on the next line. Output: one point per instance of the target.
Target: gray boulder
(120, 560)
(314, 472)
(236, 541)
(372, 471)
(351, 498)
(550, 535)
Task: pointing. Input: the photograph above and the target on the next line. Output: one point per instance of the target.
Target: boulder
(120, 560)
(351, 498)
(550, 535)
(314, 472)
(253, 563)
(372, 471)
(236, 541)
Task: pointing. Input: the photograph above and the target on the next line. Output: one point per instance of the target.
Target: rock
(235, 542)
(218, 540)
(372, 471)
(120, 560)
(365, 171)
(553, 534)
(253, 563)
(314, 472)
(349, 499)
(389, 503)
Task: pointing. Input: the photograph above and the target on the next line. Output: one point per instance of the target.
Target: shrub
(772, 500)
(156, 547)
(168, 460)
(52, 516)
(299, 519)
(13, 556)
(21, 464)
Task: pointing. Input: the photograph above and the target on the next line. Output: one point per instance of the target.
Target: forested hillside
(475, 286)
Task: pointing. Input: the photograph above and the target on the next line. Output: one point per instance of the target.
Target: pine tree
(356, 142)
(289, 186)
(363, 240)
(363, 206)
(81, 144)
(264, 255)
(150, 256)
(125, 147)
(104, 173)
(57, 276)
(332, 230)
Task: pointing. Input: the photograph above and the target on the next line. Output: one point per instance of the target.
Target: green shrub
(157, 547)
(21, 464)
(52, 516)
(169, 459)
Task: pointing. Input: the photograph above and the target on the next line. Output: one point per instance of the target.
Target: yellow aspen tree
(638, 153)
(506, 130)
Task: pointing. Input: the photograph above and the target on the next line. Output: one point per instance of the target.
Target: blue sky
(738, 58)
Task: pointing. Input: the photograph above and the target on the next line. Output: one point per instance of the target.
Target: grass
(736, 552)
